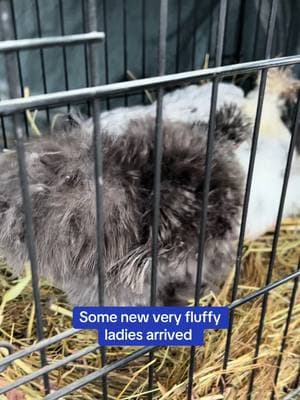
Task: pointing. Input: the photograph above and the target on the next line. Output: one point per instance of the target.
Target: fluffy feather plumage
(63, 198)
(61, 178)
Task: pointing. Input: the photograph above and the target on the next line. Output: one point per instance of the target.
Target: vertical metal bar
(144, 44)
(271, 28)
(201, 243)
(86, 55)
(238, 261)
(125, 46)
(208, 165)
(194, 41)
(285, 332)
(62, 30)
(39, 29)
(298, 378)
(221, 32)
(261, 92)
(274, 246)
(3, 133)
(178, 34)
(208, 162)
(241, 19)
(210, 33)
(163, 25)
(158, 146)
(19, 61)
(12, 72)
(85, 46)
(98, 155)
(289, 41)
(257, 26)
(107, 79)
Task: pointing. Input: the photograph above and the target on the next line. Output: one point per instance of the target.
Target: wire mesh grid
(94, 93)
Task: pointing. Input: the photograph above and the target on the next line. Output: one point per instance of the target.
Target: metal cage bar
(64, 52)
(64, 335)
(21, 80)
(201, 245)
(238, 262)
(193, 55)
(86, 55)
(93, 95)
(275, 242)
(12, 71)
(285, 332)
(25, 44)
(207, 177)
(178, 35)
(5, 144)
(266, 289)
(80, 95)
(48, 368)
(86, 58)
(144, 43)
(104, 371)
(294, 395)
(298, 376)
(98, 159)
(131, 357)
(37, 347)
(106, 43)
(62, 30)
(158, 146)
(98, 374)
(125, 52)
(42, 54)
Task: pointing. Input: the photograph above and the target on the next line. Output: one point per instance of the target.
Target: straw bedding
(17, 325)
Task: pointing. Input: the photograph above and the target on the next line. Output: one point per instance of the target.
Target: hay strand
(171, 364)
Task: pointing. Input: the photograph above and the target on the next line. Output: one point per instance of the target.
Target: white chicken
(192, 104)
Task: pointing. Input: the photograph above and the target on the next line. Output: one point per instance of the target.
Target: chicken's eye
(71, 179)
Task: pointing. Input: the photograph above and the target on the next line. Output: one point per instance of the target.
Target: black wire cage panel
(164, 44)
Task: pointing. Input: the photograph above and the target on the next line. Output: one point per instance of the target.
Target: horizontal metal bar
(285, 333)
(51, 41)
(108, 368)
(79, 95)
(99, 374)
(265, 289)
(294, 395)
(9, 347)
(48, 368)
(38, 346)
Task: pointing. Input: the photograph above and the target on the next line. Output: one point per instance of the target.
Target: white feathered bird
(192, 104)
